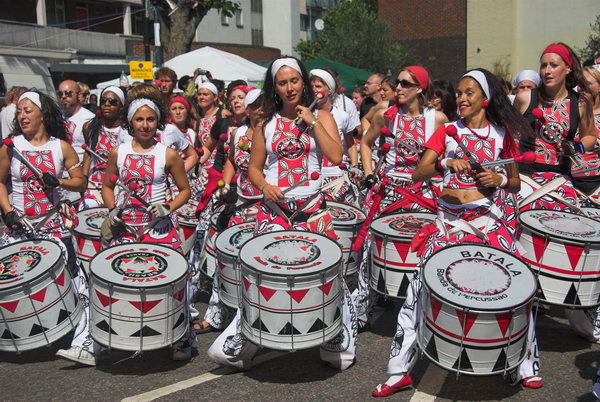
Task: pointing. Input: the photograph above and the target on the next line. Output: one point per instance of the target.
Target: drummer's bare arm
(587, 131)
(426, 168)
(108, 188)
(440, 118)
(190, 158)
(258, 156)
(175, 167)
(5, 156)
(86, 164)
(76, 180)
(368, 139)
(351, 146)
(326, 134)
(522, 100)
(208, 147)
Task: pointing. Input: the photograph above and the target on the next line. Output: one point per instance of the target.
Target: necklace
(477, 135)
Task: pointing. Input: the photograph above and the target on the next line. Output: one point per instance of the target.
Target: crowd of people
(233, 151)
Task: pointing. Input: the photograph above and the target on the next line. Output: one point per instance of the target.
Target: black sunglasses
(406, 83)
(65, 93)
(111, 101)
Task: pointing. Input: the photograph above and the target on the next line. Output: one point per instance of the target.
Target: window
(55, 12)
(239, 19)
(304, 22)
(224, 19)
(256, 6)
(137, 21)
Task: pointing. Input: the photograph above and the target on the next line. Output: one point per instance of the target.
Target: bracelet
(263, 186)
(504, 182)
(314, 123)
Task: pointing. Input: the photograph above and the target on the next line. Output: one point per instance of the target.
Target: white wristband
(504, 182)
(444, 163)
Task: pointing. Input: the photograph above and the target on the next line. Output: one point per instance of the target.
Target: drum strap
(472, 227)
(589, 197)
(407, 197)
(546, 189)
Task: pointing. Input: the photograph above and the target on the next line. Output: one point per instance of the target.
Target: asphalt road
(568, 366)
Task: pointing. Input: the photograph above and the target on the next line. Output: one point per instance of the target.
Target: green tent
(350, 77)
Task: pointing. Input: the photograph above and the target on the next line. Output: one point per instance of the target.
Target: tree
(177, 30)
(355, 35)
(592, 45)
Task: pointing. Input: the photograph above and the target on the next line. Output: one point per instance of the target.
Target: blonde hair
(83, 87)
(13, 93)
(594, 72)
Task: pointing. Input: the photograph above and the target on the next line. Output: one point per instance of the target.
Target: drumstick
(362, 233)
(526, 157)
(93, 153)
(452, 132)
(386, 132)
(313, 176)
(10, 143)
(318, 96)
(384, 149)
(130, 189)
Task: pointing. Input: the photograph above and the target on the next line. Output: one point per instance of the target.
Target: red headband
(243, 88)
(182, 100)
(420, 74)
(560, 50)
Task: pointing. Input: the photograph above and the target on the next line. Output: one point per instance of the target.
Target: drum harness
(546, 189)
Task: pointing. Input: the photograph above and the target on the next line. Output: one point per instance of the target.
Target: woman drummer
(101, 134)
(486, 126)
(288, 153)
(40, 135)
(412, 123)
(564, 114)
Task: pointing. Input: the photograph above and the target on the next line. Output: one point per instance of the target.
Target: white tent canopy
(222, 65)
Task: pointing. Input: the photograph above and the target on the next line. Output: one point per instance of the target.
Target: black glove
(369, 181)
(50, 180)
(573, 148)
(11, 219)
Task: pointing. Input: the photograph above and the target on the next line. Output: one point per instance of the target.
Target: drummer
(412, 122)
(473, 207)
(288, 152)
(101, 134)
(41, 134)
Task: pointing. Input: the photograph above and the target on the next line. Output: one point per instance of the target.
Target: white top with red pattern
(108, 138)
(241, 158)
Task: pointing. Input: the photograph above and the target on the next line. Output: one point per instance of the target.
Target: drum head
(345, 215)
(479, 278)
(139, 265)
(402, 225)
(90, 221)
(290, 252)
(231, 239)
(563, 225)
(27, 260)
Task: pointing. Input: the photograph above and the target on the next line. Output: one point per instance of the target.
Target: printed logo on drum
(291, 148)
(17, 264)
(565, 225)
(241, 236)
(95, 221)
(139, 265)
(291, 252)
(408, 225)
(342, 214)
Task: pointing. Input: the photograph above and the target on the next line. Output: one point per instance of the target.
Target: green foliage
(355, 35)
(592, 45)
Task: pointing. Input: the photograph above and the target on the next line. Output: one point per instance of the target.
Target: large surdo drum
(208, 255)
(87, 234)
(186, 216)
(291, 290)
(347, 221)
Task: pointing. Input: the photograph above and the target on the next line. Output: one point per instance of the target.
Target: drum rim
(217, 250)
(42, 273)
(356, 222)
(78, 229)
(453, 304)
(186, 272)
(564, 239)
(395, 236)
(243, 264)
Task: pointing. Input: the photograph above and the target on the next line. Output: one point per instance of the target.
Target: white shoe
(77, 354)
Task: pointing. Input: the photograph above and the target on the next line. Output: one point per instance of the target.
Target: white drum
(593, 213)
(38, 302)
(476, 310)
(138, 297)
(228, 245)
(291, 290)
(208, 255)
(87, 234)
(347, 221)
(392, 261)
(563, 250)
(186, 216)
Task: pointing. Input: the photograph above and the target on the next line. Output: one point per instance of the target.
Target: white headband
(251, 97)
(210, 86)
(480, 78)
(117, 91)
(138, 103)
(287, 61)
(527, 75)
(33, 97)
(596, 67)
(325, 76)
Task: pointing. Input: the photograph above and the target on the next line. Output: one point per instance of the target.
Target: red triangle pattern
(326, 288)
(504, 320)
(147, 305)
(97, 246)
(539, 246)
(60, 279)
(246, 283)
(378, 244)
(466, 323)
(105, 300)
(39, 296)
(436, 306)
(10, 306)
(80, 243)
(179, 295)
(298, 295)
(574, 253)
(403, 249)
(266, 292)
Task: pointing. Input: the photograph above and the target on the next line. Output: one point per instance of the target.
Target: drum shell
(87, 238)
(189, 225)
(54, 298)
(347, 232)
(208, 255)
(593, 213)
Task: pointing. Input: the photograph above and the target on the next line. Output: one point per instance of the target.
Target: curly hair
(94, 127)
(52, 116)
(144, 93)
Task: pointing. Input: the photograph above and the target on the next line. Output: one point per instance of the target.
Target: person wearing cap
(564, 131)
(336, 183)
(41, 136)
(486, 126)
(101, 134)
(411, 122)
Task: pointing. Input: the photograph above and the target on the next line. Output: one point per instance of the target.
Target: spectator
(7, 115)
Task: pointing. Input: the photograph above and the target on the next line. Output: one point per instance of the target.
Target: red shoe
(383, 390)
(533, 382)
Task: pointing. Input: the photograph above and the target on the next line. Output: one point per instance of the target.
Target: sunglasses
(65, 93)
(406, 84)
(111, 101)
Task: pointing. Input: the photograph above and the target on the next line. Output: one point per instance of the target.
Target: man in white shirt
(7, 115)
(75, 113)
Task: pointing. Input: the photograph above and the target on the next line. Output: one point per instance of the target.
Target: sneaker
(77, 354)
(182, 350)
